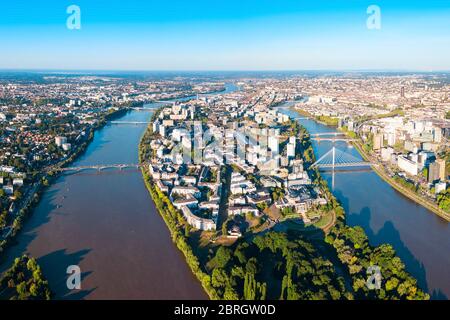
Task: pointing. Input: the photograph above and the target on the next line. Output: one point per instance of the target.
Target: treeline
(353, 250)
(21, 216)
(276, 265)
(176, 224)
(328, 120)
(24, 281)
(443, 200)
(405, 183)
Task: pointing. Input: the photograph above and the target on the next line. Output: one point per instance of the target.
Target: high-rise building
(433, 172)
(377, 141)
(437, 134)
(436, 171)
(441, 169)
(407, 165)
(273, 145)
(162, 130)
(292, 140)
(291, 150)
(350, 125)
(402, 92)
(291, 147)
(391, 139)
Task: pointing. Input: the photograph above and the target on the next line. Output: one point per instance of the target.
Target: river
(420, 238)
(106, 223)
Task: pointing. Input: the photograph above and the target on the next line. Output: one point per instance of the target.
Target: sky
(225, 35)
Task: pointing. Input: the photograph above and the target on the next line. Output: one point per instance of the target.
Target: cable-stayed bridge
(336, 158)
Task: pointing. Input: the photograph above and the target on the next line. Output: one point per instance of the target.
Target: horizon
(56, 70)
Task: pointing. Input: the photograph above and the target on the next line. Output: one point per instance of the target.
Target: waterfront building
(407, 165)
(433, 172)
(386, 154)
(198, 222)
(442, 169)
(377, 141)
(440, 187)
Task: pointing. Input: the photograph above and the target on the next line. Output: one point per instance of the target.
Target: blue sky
(225, 35)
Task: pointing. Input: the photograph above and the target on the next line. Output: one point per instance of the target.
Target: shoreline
(413, 197)
(171, 218)
(49, 176)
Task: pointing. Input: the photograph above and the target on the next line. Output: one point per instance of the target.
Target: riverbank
(45, 179)
(175, 223)
(383, 175)
(106, 223)
(411, 195)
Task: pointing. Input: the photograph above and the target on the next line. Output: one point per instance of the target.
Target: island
(233, 178)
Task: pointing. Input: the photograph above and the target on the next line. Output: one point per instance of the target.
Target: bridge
(142, 109)
(318, 139)
(165, 101)
(100, 167)
(326, 134)
(336, 158)
(129, 122)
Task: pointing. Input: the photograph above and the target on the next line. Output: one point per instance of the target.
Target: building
(436, 171)
(386, 154)
(273, 145)
(66, 146)
(407, 165)
(18, 182)
(162, 130)
(59, 141)
(441, 169)
(377, 141)
(291, 147)
(440, 187)
(197, 222)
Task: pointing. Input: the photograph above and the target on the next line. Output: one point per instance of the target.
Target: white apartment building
(407, 165)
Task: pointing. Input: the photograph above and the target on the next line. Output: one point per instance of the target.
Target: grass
(325, 220)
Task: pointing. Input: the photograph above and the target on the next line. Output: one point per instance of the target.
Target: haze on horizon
(258, 35)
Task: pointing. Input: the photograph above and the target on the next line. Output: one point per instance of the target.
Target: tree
(17, 194)
(187, 230)
(220, 260)
(219, 278)
(230, 294)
